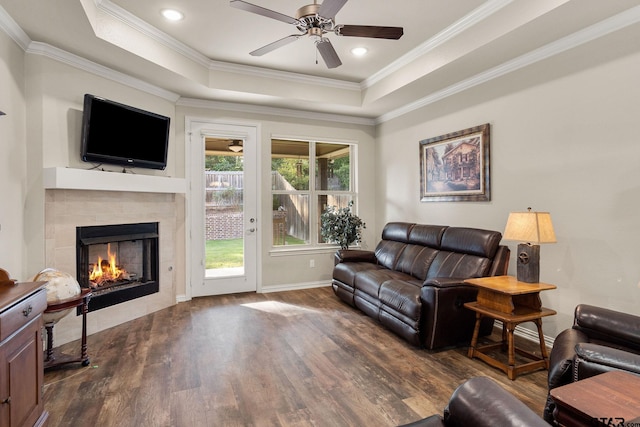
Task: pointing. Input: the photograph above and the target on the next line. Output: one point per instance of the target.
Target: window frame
(313, 194)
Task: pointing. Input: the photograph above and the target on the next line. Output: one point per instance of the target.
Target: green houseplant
(341, 226)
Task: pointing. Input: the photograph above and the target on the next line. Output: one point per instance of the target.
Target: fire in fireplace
(118, 262)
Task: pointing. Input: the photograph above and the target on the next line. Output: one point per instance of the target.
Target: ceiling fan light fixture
(359, 51)
(172, 14)
(316, 20)
(235, 146)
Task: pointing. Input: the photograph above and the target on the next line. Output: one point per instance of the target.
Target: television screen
(119, 134)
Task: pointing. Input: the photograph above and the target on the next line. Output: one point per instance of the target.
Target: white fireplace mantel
(82, 179)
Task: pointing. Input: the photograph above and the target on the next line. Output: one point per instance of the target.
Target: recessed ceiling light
(172, 14)
(359, 51)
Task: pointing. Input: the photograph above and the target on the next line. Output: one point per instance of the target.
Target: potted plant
(341, 226)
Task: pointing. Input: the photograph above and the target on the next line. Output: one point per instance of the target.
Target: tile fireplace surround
(65, 209)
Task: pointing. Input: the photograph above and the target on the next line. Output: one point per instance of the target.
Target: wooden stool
(52, 360)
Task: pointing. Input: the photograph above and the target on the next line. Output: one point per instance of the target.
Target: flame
(104, 271)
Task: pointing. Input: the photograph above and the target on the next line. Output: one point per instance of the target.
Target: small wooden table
(53, 358)
(608, 399)
(506, 299)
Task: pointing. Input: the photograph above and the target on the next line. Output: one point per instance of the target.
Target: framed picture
(455, 167)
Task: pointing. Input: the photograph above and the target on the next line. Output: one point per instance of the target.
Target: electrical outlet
(312, 263)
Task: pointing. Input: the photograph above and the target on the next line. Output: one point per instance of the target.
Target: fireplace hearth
(117, 262)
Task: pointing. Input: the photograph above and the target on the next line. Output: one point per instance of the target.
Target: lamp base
(528, 267)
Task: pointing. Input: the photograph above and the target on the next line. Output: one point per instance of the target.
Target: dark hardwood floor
(298, 358)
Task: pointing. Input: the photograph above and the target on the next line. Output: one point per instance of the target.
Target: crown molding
(274, 111)
(601, 29)
(152, 32)
(51, 52)
(283, 75)
(13, 30)
(477, 15)
(161, 37)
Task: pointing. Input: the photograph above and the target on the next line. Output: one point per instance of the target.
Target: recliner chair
(600, 340)
(481, 402)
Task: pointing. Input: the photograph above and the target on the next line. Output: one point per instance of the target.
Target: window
(306, 178)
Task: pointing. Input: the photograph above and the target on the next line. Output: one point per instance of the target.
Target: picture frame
(456, 166)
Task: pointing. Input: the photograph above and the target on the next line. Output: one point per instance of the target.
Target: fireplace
(118, 262)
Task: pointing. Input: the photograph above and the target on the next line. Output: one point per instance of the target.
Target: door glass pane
(333, 167)
(224, 216)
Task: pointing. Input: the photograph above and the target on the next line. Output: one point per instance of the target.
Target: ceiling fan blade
(393, 33)
(243, 5)
(275, 45)
(328, 53)
(329, 8)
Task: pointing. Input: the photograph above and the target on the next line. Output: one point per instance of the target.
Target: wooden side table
(506, 299)
(609, 399)
(53, 359)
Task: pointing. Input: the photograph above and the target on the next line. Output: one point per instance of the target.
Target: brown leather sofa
(481, 402)
(599, 341)
(412, 282)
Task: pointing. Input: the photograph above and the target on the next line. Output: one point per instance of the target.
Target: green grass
(224, 253)
(228, 253)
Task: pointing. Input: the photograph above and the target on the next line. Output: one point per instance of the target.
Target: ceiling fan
(317, 20)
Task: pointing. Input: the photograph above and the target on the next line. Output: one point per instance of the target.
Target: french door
(223, 207)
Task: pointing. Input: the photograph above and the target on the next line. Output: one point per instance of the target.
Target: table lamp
(531, 228)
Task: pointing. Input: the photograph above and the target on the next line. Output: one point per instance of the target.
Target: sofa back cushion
(415, 260)
(465, 252)
(472, 241)
(395, 236)
(427, 235)
(397, 231)
(457, 265)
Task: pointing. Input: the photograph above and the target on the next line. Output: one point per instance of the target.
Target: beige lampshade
(530, 227)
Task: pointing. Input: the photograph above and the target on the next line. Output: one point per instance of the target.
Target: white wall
(13, 155)
(564, 139)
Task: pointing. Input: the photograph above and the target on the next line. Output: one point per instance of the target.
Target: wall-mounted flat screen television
(122, 135)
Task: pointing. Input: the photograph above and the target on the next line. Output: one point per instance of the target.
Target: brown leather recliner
(599, 341)
(481, 402)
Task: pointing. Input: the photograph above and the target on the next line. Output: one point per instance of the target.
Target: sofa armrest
(481, 402)
(561, 357)
(446, 282)
(593, 359)
(607, 325)
(355, 255)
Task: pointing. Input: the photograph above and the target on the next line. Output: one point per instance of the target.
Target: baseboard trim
(293, 287)
(530, 335)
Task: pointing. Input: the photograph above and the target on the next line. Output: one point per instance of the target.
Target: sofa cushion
(388, 252)
(615, 328)
(397, 231)
(472, 241)
(415, 260)
(369, 281)
(427, 235)
(345, 272)
(455, 264)
(402, 300)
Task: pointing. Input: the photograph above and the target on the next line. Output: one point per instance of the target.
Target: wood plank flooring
(297, 358)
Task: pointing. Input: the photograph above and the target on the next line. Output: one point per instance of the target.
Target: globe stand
(54, 359)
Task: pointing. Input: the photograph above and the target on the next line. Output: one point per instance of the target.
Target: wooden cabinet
(21, 353)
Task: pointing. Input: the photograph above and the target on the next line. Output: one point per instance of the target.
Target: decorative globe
(60, 286)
